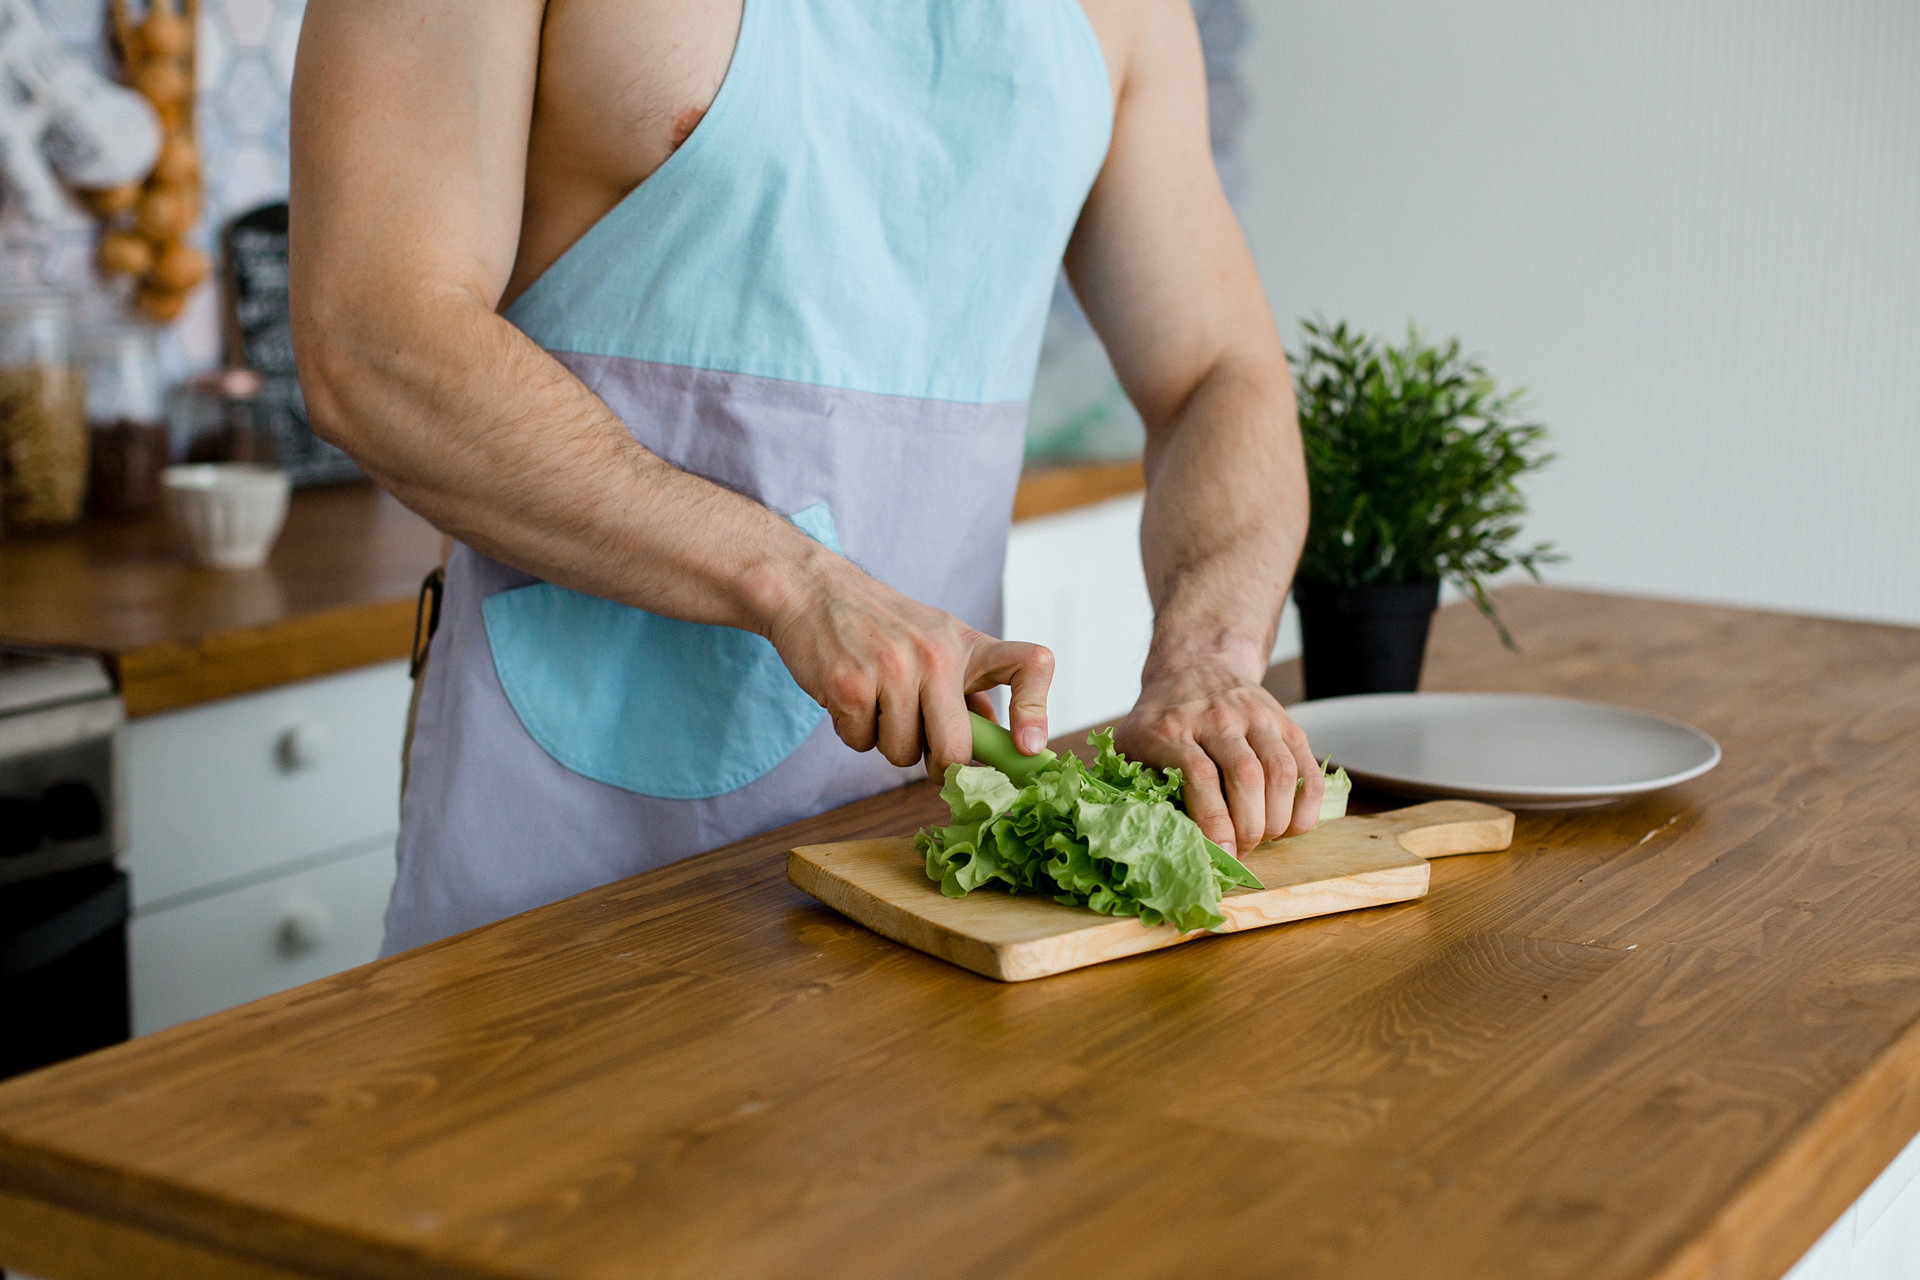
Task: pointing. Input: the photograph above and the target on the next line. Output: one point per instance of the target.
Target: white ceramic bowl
(227, 513)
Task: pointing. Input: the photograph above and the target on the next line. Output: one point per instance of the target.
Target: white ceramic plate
(1519, 750)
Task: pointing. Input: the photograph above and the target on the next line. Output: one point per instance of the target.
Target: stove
(59, 796)
(63, 903)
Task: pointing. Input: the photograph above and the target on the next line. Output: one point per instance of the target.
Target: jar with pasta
(43, 413)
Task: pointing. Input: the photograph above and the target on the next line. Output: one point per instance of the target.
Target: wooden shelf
(1049, 490)
(338, 593)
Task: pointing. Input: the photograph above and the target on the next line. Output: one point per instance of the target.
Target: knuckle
(855, 733)
(1165, 727)
(930, 652)
(893, 662)
(1247, 771)
(1200, 770)
(1219, 719)
(848, 687)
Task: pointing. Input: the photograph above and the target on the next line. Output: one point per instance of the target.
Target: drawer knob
(303, 746)
(305, 926)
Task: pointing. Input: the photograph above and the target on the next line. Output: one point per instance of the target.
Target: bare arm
(1165, 275)
(410, 125)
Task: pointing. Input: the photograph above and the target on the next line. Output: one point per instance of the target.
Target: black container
(1363, 639)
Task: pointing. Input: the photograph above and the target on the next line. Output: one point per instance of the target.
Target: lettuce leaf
(1333, 801)
(1110, 836)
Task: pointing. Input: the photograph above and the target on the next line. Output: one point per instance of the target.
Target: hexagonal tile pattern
(247, 21)
(255, 177)
(209, 55)
(250, 100)
(72, 21)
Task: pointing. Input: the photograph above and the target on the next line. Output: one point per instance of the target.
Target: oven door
(63, 966)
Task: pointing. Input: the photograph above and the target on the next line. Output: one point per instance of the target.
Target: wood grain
(1664, 1041)
(338, 592)
(1343, 865)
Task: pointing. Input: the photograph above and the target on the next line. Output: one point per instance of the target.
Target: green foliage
(1412, 457)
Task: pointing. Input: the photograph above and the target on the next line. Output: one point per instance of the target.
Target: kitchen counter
(1673, 1038)
(338, 593)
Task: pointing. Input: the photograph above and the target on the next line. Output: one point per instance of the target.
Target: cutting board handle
(1440, 828)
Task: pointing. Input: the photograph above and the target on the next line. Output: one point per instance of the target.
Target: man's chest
(624, 82)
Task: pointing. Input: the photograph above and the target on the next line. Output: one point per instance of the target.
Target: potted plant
(1412, 457)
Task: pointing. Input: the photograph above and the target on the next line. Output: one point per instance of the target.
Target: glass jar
(126, 423)
(222, 418)
(43, 422)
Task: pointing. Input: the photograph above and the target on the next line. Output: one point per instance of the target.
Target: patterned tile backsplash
(244, 67)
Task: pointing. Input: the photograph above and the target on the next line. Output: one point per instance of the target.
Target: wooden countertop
(1673, 1039)
(338, 593)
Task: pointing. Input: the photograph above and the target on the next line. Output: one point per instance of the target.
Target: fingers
(1306, 804)
(982, 705)
(1284, 757)
(1029, 669)
(1201, 794)
(949, 734)
(898, 676)
(852, 703)
(1240, 753)
(899, 705)
(1244, 781)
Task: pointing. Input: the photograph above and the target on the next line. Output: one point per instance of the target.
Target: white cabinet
(1878, 1238)
(230, 788)
(260, 835)
(1074, 583)
(215, 952)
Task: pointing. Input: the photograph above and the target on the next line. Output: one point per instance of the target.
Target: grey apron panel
(921, 493)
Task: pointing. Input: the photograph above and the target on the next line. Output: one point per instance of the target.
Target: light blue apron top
(830, 299)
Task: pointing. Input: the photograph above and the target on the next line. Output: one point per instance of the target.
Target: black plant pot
(1363, 639)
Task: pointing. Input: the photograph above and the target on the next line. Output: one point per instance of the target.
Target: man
(706, 330)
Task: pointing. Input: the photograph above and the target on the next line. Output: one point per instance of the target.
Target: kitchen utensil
(228, 513)
(1338, 866)
(1519, 750)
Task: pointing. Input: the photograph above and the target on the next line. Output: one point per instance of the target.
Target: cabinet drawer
(209, 955)
(241, 785)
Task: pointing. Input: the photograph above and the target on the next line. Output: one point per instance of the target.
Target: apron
(829, 299)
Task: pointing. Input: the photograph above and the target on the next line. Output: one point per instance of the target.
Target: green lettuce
(1111, 836)
(1333, 801)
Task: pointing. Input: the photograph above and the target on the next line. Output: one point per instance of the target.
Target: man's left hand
(1238, 750)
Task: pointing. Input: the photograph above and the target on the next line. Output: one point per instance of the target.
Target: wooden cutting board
(1338, 866)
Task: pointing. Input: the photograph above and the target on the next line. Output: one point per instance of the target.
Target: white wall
(1693, 230)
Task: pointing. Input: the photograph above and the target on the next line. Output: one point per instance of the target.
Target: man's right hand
(898, 674)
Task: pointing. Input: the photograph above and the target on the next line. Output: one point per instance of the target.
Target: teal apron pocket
(677, 710)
